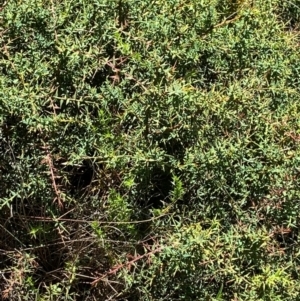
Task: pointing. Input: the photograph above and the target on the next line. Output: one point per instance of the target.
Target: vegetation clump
(149, 150)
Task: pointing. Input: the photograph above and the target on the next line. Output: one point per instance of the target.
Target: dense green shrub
(149, 150)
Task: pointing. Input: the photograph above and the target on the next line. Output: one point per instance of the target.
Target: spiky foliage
(149, 150)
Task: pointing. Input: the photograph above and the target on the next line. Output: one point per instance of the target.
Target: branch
(117, 268)
(49, 162)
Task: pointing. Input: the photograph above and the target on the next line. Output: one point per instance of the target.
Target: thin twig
(127, 264)
(50, 219)
(48, 160)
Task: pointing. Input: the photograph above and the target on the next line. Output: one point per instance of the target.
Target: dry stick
(51, 219)
(126, 264)
(11, 234)
(48, 160)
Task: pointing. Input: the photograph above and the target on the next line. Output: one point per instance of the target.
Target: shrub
(149, 150)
